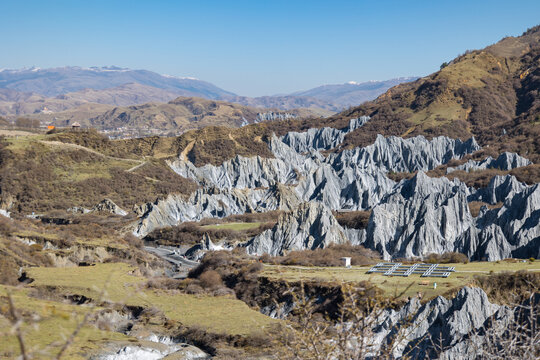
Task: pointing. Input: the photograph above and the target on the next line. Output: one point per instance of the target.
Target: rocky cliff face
(107, 205)
(322, 138)
(420, 216)
(440, 323)
(404, 155)
(510, 231)
(505, 161)
(213, 203)
(499, 189)
(412, 218)
(309, 226)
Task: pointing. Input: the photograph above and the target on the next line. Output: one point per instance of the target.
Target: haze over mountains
(59, 89)
(56, 81)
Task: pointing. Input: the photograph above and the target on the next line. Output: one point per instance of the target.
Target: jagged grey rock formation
(348, 189)
(510, 231)
(354, 179)
(309, 226)
(196, 252)
(154, 348)
(355, 236)
(386, 154)
(240, 172)
(404, 155)
(505, 161)
(321, 138)
(422, 215)
(273, 116)
(499, 189)
(440, 322)
(107, 205)
(428, 215)
(413, 218)
(213, 203)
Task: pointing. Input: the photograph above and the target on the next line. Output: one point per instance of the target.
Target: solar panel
(425, 270)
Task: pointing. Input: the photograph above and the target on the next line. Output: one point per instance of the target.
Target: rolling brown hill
(123, 95)
(186, 113)
(15, 103)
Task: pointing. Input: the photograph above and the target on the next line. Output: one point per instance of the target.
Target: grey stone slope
(505, 161)
(386, 154)
(510, 231)
(212, 203)
(107, 205)
(348, 189)
(404, 155)
(422, 215)
(250, 172)
(321, 138)
(498, 190)
(410, 219)
(353, 180)
(440, 322)
(310, 226)
(429, 215)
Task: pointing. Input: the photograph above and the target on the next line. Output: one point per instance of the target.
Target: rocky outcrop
(410, 219)
(310, 226)
(505, 161)
(240, 172)
(348, 189)
(196, 252)
(429, 215)
(422, 215)
(153, 348)
(274, 116)
(321, 138)
(213, 203)
(107, 205)
(510, 231)
(440, 322)
(499, 189)
(404, 155)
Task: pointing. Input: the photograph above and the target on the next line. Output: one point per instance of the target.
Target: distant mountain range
(352, 93)
(57, 81)
(34, 90)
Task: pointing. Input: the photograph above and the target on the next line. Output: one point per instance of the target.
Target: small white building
(346, 261)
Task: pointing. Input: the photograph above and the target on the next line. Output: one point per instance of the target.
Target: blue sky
(257, 47)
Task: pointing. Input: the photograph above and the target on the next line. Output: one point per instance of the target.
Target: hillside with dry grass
(58, 171)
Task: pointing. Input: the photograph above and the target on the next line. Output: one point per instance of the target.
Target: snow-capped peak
(179, 77)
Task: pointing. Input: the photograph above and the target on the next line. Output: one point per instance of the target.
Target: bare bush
(210, 279)
(329, 256)
(446, 258)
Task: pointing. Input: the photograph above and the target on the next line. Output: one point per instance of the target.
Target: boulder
(107, 205)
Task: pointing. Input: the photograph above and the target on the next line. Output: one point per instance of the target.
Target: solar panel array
(425, 270)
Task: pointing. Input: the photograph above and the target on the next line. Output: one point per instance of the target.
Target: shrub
(223, 291)
(210, 279)
(353, 219)
(194, 289)
(164, 284)
(330, 256)
(134, 241)
(447, 257)
(509, 287)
